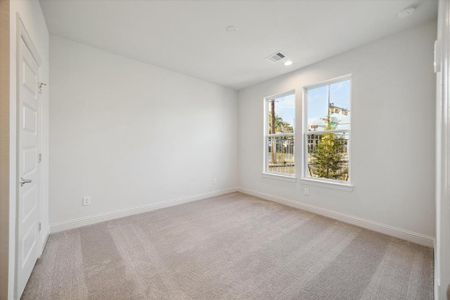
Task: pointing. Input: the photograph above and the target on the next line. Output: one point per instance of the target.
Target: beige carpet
(230, 247)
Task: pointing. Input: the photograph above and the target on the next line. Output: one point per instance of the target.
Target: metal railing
(281, 154)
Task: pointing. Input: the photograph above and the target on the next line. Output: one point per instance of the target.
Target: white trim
(266, 135)
(89, 220)
(305, 132)
(279, 176)
(329, 81)
(400, 233)
(340, 185)
(442, 184)
(328, 131)
(279, 134)
(279, 95)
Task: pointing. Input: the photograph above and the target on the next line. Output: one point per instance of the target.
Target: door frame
(22, 34)
(4, 147)
(442, 69)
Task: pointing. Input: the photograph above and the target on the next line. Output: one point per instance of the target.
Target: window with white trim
(279, 134)
(327, 131)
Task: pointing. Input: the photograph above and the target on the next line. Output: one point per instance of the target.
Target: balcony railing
(280, 154)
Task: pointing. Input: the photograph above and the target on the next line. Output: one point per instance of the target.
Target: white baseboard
(89, 220)
(403, 234)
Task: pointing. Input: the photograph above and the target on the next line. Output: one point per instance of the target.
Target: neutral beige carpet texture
(230, 247)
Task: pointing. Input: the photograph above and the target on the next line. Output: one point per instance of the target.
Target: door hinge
(40, 157)
(40, 226)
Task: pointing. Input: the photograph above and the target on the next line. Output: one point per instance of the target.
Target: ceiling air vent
(277, 56)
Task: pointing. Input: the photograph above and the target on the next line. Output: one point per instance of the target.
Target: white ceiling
(190, 36)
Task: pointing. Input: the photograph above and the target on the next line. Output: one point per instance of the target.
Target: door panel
(28, 165)
(29, 120)
(30, 157)
(29, 203)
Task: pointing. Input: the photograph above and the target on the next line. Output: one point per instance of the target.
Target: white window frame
(266, 135)
(304, 167)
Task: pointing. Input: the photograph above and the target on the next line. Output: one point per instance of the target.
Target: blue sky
(317, 101)
(285, 108)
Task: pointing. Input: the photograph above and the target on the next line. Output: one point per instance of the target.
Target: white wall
(132, 135)
(393, 92)
(32, 17)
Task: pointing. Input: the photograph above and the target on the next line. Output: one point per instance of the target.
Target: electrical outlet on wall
(214, 181)
(86, 200)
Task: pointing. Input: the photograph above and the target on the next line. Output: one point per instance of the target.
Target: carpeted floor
(230, 247)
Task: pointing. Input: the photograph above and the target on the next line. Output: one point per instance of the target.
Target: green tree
(280, 126)
(328, 158)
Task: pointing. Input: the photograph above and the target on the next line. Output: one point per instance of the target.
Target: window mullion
(280, 134)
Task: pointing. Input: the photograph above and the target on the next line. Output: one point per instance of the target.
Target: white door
(28, 164)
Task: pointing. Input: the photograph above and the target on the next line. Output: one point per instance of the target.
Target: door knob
(24, 181)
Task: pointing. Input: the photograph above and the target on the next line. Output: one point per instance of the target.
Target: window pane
(317, 107)
(280, 155)
(281, 114)
(329, 107)
(340, 104)
(327, 155)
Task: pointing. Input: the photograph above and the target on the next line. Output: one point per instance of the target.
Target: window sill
(329, 184)
(279, 177)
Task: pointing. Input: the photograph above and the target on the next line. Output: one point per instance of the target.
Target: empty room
(224, 149)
